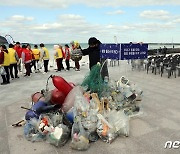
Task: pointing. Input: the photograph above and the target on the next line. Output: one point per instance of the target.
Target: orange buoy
(61, 84)
(57, 97)
(38, 96)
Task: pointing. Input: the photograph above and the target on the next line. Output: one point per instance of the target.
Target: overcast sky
(59, 21)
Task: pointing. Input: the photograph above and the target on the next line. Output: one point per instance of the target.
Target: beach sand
(148, 133)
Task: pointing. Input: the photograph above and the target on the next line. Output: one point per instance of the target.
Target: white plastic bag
(39, 65)
(2, 71)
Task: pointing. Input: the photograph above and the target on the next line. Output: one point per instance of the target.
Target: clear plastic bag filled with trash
(31, 132)
(79, 137)
(105, 130)
(81, 104)
(119, 121)
(55, 117)
(59, 136)
(112, 124)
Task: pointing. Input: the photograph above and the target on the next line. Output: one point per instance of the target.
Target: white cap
(56, 46)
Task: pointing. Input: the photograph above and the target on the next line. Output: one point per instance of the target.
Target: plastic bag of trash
(119, 121)
(2, 71)
(45, 125)
(59, 136)
(133, 110)
(81, 104)
(79, 137)
(90, 122)
(107, 134)
(56, 117)
(89, 119)
(69, 100)
(126, 91)
(93, 136)
(117, 96)
(112, 85)
(105, 130)
(31, 132)
(137, 91)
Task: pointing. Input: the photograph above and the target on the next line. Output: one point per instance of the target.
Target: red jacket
(67, 54)
(18, 50)
(32, 55)
(26, 56)
(1, 57)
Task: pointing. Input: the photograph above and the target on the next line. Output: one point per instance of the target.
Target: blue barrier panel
(134, 51)
(110, 51)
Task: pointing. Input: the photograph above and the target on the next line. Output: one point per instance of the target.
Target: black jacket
(94, 55)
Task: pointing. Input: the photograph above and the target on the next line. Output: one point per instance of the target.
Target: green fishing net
(93, 81)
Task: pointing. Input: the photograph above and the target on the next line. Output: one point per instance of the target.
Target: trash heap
(83, 113)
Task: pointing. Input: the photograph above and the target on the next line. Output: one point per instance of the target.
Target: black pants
(61, 64)
(77, 65)
(33, 65)
(46, 62)
(6, 77)
(67, 64)
(58, 61)
(35, 62)
(28, 68)
(15, 70)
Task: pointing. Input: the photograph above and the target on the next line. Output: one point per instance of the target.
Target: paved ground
(148, 132)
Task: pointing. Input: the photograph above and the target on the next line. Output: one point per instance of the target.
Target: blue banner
(110, 51)
(134, 51)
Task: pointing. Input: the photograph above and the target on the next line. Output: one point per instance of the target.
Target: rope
(47, 89)
(103, 65)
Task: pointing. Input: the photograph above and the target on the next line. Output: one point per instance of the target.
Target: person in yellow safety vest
(5, 63)
(36, 53)
(58, 57)
(44, 57)
(14, 59)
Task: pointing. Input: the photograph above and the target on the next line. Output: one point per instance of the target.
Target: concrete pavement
(148, 132)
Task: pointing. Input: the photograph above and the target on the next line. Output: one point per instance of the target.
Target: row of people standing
(11, 59)
(61, 54)
(33, 57)
(76, 54)
(8, 62)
